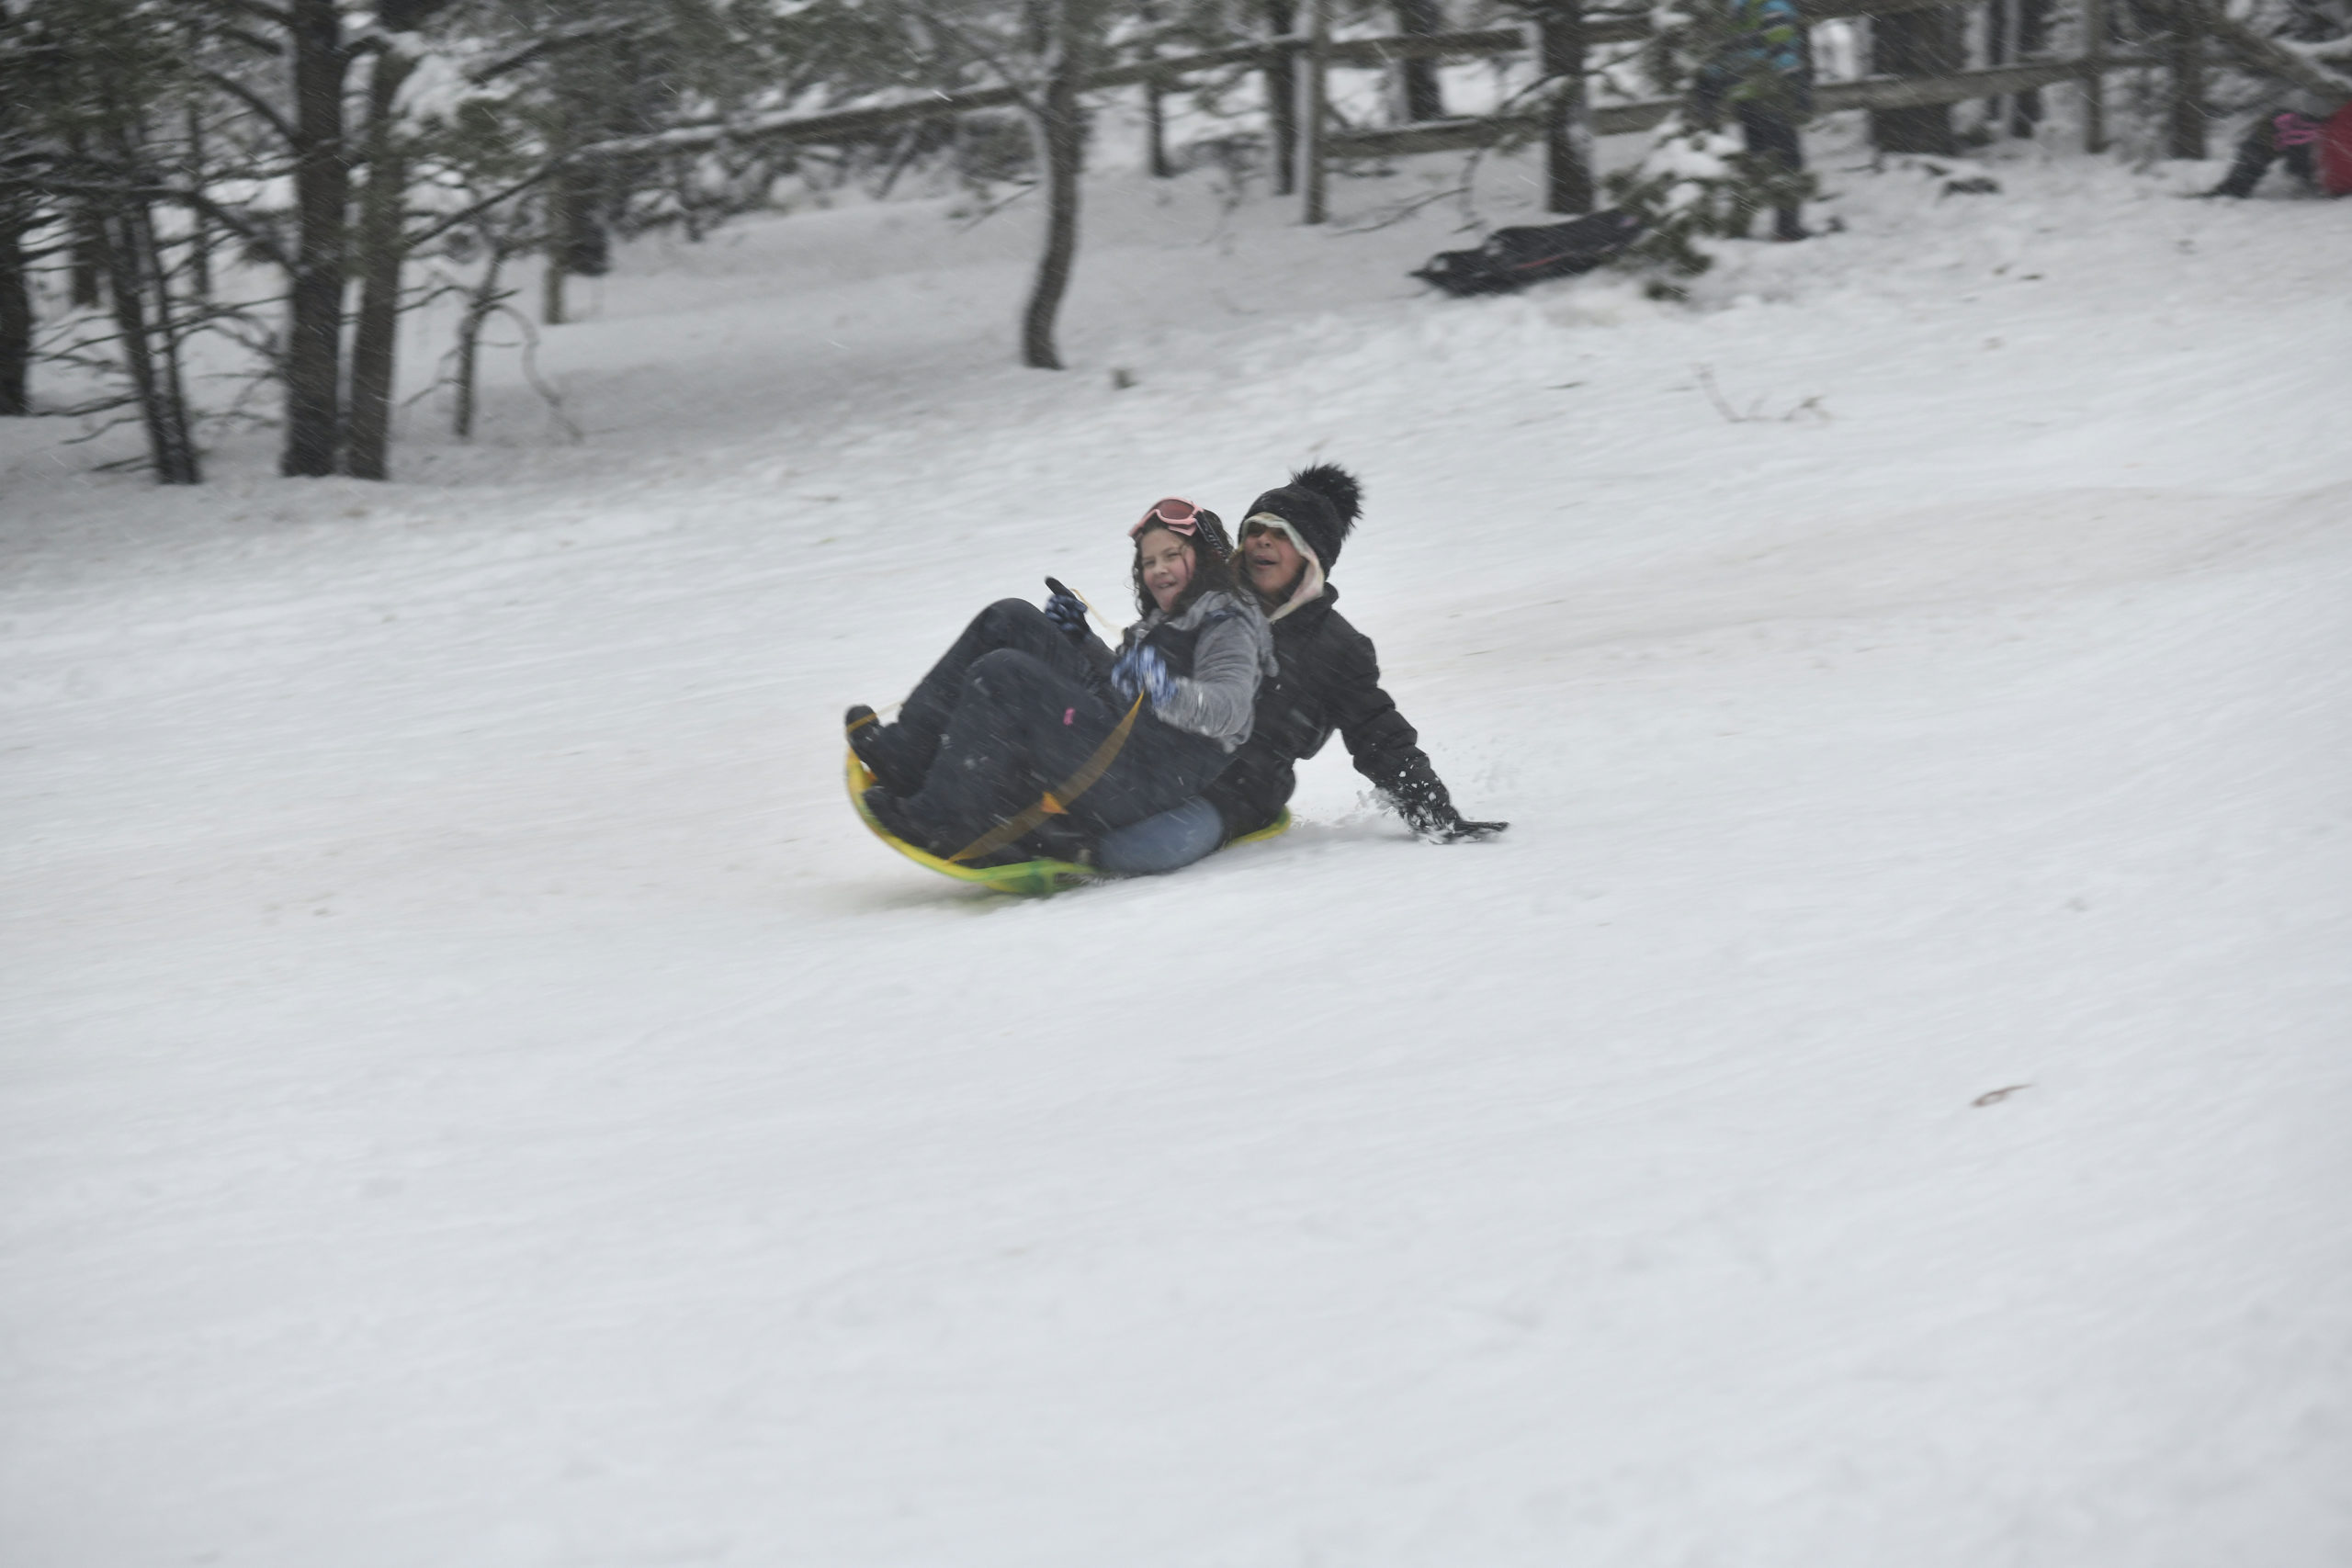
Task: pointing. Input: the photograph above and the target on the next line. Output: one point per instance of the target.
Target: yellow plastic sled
(1025, 878)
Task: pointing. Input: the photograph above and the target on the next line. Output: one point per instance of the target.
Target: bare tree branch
(466, 214)
(252, 100)
(1010, 79)
(253, 41)
(552, 42)
(229, 218)
(277, 16)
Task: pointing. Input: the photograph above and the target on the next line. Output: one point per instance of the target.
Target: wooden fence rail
(1567, 121)
(855, 124)
(1616, 120)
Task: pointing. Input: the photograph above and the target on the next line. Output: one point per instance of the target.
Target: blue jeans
(1170, 841)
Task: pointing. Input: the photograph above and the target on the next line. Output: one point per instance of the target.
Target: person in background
(1763, 69)
(2289, 131)
(1326, 680)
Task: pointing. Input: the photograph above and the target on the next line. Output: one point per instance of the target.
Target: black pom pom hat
(1316, 511)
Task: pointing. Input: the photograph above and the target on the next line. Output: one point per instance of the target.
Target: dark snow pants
(1022, 726)
(904, 749)
(1773, 137)
(2256, 153)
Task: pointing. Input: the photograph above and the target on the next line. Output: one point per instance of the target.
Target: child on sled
(1028, 732)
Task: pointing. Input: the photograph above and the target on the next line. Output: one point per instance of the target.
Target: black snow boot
(871, 741)
(2256, 151)
(885, 808)
(891, 812)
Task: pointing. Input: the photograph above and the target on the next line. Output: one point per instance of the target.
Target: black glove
(1429, 811)
(1142, 669)
(1441, 824)
(1066, 610)
(1461, 832)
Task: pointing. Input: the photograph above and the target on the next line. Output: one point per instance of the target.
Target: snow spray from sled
(1027, 878)
(1513, 258)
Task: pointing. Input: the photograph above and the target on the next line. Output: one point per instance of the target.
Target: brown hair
(1212, 563)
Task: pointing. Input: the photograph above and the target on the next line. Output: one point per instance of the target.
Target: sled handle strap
(1054, 801)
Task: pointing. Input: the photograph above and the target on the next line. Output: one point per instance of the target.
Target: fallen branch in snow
(1809, 411)
(572, 433)
(461, 376)
(1397, 211)
(1715, 396)
(991, 207)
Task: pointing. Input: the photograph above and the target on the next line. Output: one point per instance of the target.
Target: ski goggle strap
(1172, 513)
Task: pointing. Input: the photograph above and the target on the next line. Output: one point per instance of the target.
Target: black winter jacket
(1328, 679)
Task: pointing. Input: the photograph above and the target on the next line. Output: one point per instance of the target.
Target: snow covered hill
(471, 1094)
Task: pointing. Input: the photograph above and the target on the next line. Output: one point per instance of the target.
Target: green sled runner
(1026, 878)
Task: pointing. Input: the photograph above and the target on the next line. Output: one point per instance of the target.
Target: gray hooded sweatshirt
(1233, 652)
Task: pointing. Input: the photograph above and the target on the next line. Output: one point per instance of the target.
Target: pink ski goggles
(1172, 513)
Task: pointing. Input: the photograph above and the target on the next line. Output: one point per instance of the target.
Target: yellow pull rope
(1055, 801)
(1098, 615)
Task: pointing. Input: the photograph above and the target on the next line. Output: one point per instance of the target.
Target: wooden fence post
(2027, 42)
(2187, 107)
(1567, 128)
(1423, 94)
(1924, 44)
(1311, 113)
(2094, 75)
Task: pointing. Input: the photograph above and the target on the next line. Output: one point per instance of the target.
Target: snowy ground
(473, 1094)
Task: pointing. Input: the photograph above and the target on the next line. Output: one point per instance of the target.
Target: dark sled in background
(1513, 258)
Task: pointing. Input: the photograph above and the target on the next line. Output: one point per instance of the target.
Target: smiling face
(1273, 561)
(1166, 562)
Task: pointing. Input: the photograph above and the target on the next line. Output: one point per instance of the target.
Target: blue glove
(1068, 611)
(1141, 669)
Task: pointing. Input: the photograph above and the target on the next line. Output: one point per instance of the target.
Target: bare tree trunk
(83, 265)
(2185, 118)
(1568, 122)
(1063, 132)
(1155, 109)
(16, 310)
(179, 436)
(484, 299)
(1155, 125)
(2095, 34)
(1915, 43)
(1996, 53)
(1424, 95)
(125, 251)
(322, 195)
(199, 254)
(558, 252)
(1314, 205)
(375, 342)
(1282, 98)
(198, 163)
(2032, 38)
